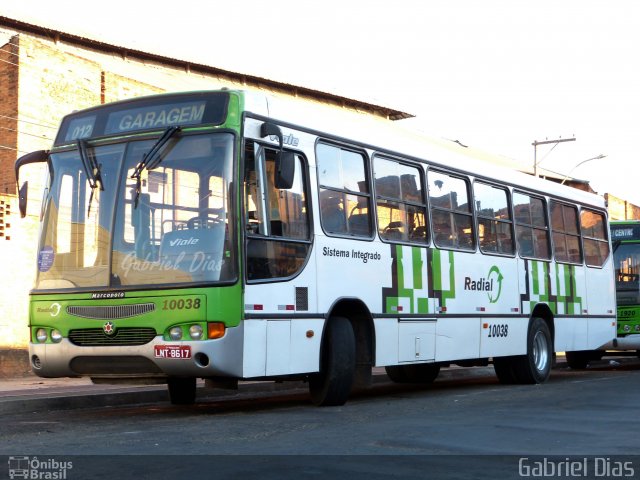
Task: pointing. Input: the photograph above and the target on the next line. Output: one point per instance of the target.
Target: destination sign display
(625, 232)
(150, 113)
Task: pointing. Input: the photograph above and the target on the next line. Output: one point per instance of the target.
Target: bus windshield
(627, 264)
(166, 224)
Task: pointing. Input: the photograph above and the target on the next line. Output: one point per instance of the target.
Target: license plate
(173, 351)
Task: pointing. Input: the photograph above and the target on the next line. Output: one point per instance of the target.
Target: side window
(276, 221)
(594, 238)
(495, 225)
(532, 232)
(451, 214)
(345, 201)
(400, 203)
(566, 236)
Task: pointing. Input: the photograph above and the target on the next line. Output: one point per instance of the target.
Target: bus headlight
(41, 335)
(195, 331)
(175, 333)
(56, 336)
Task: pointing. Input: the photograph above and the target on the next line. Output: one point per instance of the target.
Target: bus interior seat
(359, 224)
(419, 233)
(393, 231)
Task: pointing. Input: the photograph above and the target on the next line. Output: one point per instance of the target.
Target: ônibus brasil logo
(492, 284)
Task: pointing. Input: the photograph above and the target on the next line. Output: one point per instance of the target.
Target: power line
(31, 123)
(41, 137)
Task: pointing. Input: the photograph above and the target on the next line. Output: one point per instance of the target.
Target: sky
(496, 75)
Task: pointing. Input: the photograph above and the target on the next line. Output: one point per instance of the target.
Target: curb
(90, 398)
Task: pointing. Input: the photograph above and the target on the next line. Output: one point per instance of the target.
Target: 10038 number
(181, 304)
(499, 330)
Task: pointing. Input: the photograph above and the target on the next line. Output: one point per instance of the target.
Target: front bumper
(209, 358)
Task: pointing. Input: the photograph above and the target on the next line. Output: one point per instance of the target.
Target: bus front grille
(110, 312)
(95, 337)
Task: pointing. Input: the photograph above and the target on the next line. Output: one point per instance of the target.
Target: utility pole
(544, 142)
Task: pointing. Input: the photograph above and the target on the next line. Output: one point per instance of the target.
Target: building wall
(8, 113)
(620, 209)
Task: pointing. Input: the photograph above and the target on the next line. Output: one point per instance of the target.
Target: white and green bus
(229, 236)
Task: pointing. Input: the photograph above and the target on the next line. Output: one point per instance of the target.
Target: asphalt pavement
(29, 393)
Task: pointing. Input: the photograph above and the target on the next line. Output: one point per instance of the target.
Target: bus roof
(392, 138)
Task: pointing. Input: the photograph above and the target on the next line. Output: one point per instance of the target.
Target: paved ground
(27, 393)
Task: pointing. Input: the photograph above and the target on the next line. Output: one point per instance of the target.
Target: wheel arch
(542, 310)
(358, 314)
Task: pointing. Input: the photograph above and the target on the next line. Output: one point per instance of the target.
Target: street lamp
(576, 166)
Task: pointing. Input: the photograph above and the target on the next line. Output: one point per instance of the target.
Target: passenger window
(566, 236)
(344, 191)
(594, 238)
(277, 221)
(495, 225)
(451, 214)
(532, 232)
(400, 204)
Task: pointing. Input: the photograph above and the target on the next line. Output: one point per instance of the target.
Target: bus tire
(332, 385)
(535, 366)
(578, 360)
(503, 367)
(182, 391)
(415, 373)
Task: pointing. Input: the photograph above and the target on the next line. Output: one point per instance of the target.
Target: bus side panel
(457, 339)
(281, 347)
(571, 334)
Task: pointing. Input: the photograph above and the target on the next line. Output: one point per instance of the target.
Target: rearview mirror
(22, 199)
(285, 161)
(285, 170)
(33, 157)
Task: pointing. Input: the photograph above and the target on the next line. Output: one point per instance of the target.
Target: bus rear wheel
(416, 373)
(182, 391)
(535, 365)
(332, 385)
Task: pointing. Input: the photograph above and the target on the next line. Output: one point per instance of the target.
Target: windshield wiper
(91, 169)
(151, 159)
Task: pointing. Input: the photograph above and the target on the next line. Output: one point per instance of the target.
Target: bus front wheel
(332, 385)
(182, 391)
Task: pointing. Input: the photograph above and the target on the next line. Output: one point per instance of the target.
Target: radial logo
(492, 284)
